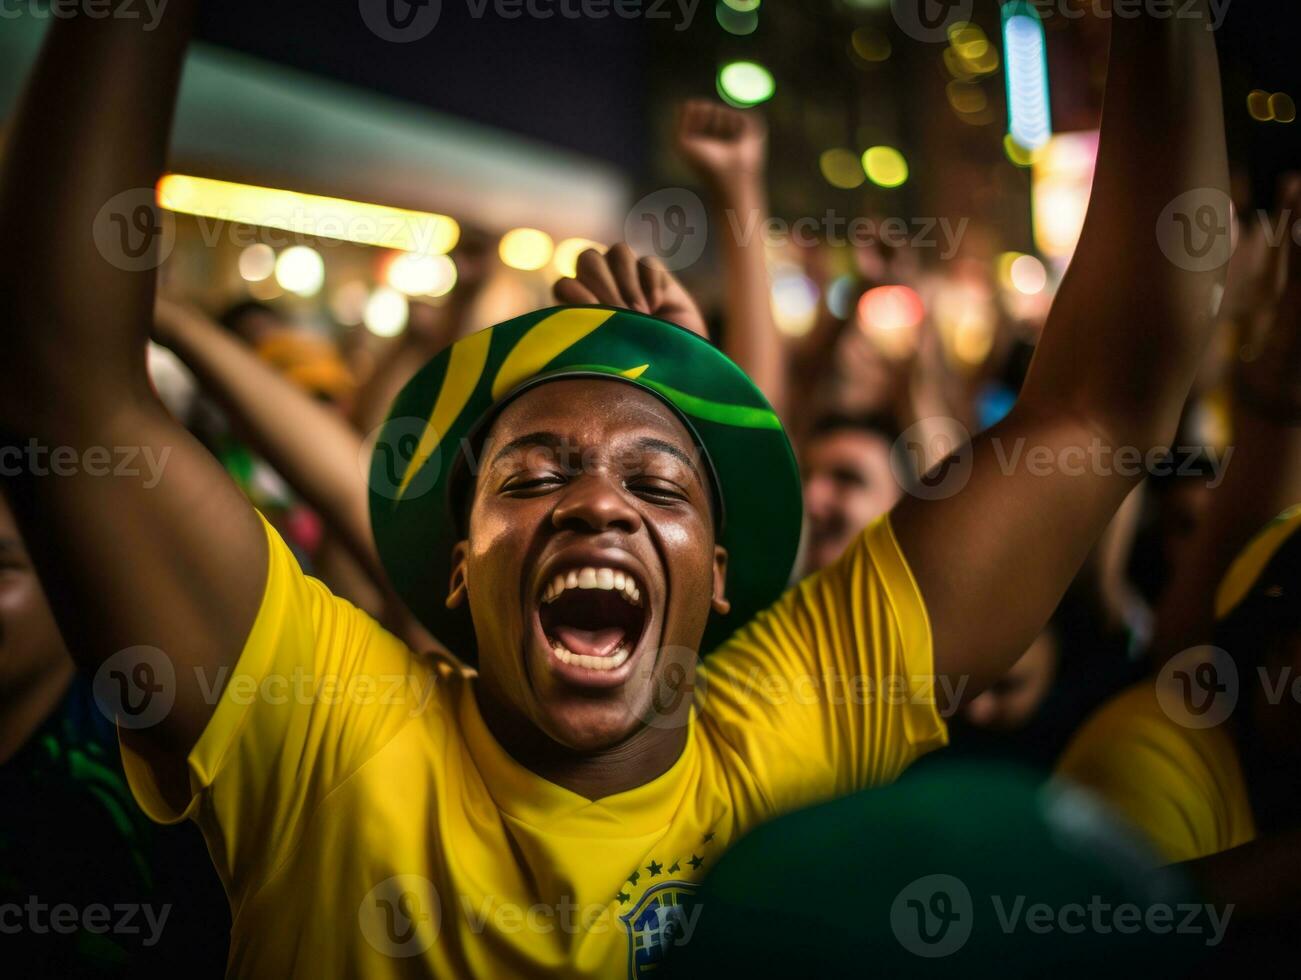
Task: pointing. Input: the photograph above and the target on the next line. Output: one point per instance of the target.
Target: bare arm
(1113, 369)
(173, 559)
(728, 149)
(310, 445)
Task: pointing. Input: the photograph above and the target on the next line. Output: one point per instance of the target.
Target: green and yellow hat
(439, 414)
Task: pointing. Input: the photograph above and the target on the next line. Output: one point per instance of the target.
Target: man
(581, 502)
(848, 483)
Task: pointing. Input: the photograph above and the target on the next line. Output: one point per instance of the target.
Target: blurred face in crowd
(1011, 702)
(34, 665)
(847, 484)
(590, 566)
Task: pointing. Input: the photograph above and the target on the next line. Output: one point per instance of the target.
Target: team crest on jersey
(662, 920)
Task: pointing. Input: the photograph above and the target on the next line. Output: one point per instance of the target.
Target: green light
(736, 23)
(743, 6)
(745, 83)
(885, 166)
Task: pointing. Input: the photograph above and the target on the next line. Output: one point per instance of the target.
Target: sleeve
(831, 689)
(1151, 773)
(319, 688)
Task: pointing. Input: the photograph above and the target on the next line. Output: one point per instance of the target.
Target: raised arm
(1010, 519)
(159, 549)
(728, 149)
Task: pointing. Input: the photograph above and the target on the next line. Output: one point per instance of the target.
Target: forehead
(591, 411)
(845, 446)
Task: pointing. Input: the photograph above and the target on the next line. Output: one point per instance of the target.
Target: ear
(456, 589)
(720, 603)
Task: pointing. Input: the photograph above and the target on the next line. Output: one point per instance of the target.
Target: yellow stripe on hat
(464, 368)
(545, 341)
(1251, 561)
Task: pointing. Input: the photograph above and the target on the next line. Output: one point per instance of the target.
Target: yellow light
(1258, 106)
(257, 262)
(1060, 186)
(421, 275)
(842, 169)
(309, 214)
(567, 253)
(870, 44)
(300, 270)
(885, 166)
(386, 312)
(1282, 107)
(1017, 153)
(1028, 275)
(966, 99)
(526, 249)
(1003, 268)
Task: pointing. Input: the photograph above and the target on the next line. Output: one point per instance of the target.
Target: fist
(619, 278)
(721, 144)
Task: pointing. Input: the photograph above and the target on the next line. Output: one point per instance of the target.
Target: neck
(24, 708)
(639, 759)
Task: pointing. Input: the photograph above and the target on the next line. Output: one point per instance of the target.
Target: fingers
(571, 292)
(654, 281)
(622, 264)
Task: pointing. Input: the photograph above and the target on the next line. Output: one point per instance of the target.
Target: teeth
(594, 578)
(565, 656)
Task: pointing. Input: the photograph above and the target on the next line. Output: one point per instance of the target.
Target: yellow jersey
(1181, 787)
(365, 823)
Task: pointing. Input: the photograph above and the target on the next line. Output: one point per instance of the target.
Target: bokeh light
(300, 270)
(740, 23)
(257, 262)
(421, 275)
(870, 45)
(1282, 107)
(745, 83)
(842, 169)
(386, 312)
(885, 166)
(892, 316)
(526, 249)
(1028, 275)
(794, 301)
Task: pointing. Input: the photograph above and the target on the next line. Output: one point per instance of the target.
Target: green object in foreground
(961, 871)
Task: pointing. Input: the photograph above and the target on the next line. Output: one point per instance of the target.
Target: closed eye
(532, 486)
(656, 492)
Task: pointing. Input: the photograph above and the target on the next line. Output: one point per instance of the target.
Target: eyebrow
(651, 444)
(532, 440)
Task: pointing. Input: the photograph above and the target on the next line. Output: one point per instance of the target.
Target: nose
(593, 504)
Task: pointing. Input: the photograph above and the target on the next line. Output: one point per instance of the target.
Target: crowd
(648, 636)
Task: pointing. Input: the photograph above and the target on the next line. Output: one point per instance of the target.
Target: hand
(722, 145)
(619, 278)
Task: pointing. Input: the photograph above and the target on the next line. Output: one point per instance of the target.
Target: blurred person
(1204, 758)
(848, 482)
(574, 765)
(70, 833)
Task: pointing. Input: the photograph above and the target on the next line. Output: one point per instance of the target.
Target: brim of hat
(442, 410)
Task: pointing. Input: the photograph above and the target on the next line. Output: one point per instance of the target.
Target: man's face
(590, 568)
(847, 485)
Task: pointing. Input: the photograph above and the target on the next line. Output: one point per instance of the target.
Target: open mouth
(592, 617)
